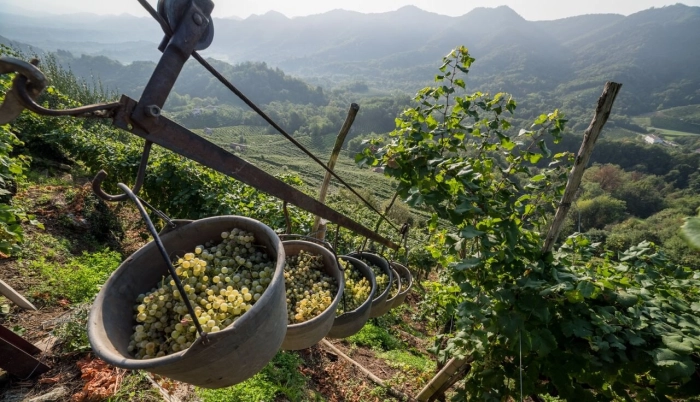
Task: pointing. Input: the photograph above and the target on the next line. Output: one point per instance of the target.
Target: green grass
(280, 378)
(404, 360)
(77, 279)
(374, 337)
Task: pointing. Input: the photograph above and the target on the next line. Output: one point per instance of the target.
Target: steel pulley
(173, 12)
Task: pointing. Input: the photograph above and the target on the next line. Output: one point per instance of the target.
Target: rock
(55, 394)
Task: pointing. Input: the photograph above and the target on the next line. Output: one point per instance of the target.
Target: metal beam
(178, 139)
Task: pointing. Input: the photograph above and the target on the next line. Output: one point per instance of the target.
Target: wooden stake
(339, 140)
(602, 113)
(440, 378)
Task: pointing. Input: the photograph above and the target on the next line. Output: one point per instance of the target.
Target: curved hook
(30, 82)
(98, 110)
(101, 175)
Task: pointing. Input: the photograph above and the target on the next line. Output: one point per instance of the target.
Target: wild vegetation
(609, 314)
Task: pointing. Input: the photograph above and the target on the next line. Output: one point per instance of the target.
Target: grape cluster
(221, 281)
(357, 288)
(379, 275)
(394, 288)
(310, 290)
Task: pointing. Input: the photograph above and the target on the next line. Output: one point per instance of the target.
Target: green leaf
(467, 263)
(541, 119)
(543, 147)
(586, 288)
(470, 232)
(677, 344)
(691, 231)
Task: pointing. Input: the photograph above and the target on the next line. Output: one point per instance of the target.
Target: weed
(136, 387)
(72, 334)
(405, 361)
(375, 337)
(281, 377)
(78, 279)
(49, 247)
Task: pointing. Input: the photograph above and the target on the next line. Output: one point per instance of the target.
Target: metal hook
(27, 86)
(101, 175)
(29, 79)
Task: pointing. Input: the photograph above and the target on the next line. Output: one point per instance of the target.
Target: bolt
(152, 111)
(198, 19)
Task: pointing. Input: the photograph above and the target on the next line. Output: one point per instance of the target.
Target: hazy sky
(529, 9)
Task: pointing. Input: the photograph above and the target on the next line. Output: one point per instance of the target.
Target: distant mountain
(564, 63)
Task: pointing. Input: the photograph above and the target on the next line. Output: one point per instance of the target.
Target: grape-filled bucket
(229, 356)
(406, 283)
(391, 300)
(308, 333)
(351, 322)
(379, 305)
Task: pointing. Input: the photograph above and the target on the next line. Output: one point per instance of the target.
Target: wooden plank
(19, 363)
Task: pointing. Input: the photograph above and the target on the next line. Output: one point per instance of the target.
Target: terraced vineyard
(276, 155)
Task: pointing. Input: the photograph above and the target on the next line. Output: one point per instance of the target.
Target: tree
(600, 211)
(587, 326)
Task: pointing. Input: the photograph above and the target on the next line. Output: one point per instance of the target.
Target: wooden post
(602, 113)
(317, 231)
(440, 378)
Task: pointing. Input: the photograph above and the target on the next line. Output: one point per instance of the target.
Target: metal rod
(166, 257)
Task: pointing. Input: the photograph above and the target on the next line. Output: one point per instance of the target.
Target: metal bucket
(379, 306)
(406, 283)
(229, 356)
(391, 301)
(351, 322)
(308, 333)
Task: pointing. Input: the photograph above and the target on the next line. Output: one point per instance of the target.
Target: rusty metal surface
(34, 82)
(178, 139)
(192, 23)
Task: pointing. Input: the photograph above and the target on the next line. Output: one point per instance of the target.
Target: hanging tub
(406, 283)
(308, 333)
(351, 322)
(379, 305)
(227, 357)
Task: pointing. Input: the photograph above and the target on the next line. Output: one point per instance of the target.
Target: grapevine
(222, 282)
(310, 290)
(357, 288)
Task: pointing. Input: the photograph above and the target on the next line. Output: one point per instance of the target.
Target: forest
(476, 163)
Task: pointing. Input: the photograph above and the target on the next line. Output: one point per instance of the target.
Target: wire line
(168, 32)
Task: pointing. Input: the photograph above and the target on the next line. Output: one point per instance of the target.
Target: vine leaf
(691, 231)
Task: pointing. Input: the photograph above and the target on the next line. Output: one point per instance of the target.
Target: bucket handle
(312, 239)
(156, 238)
